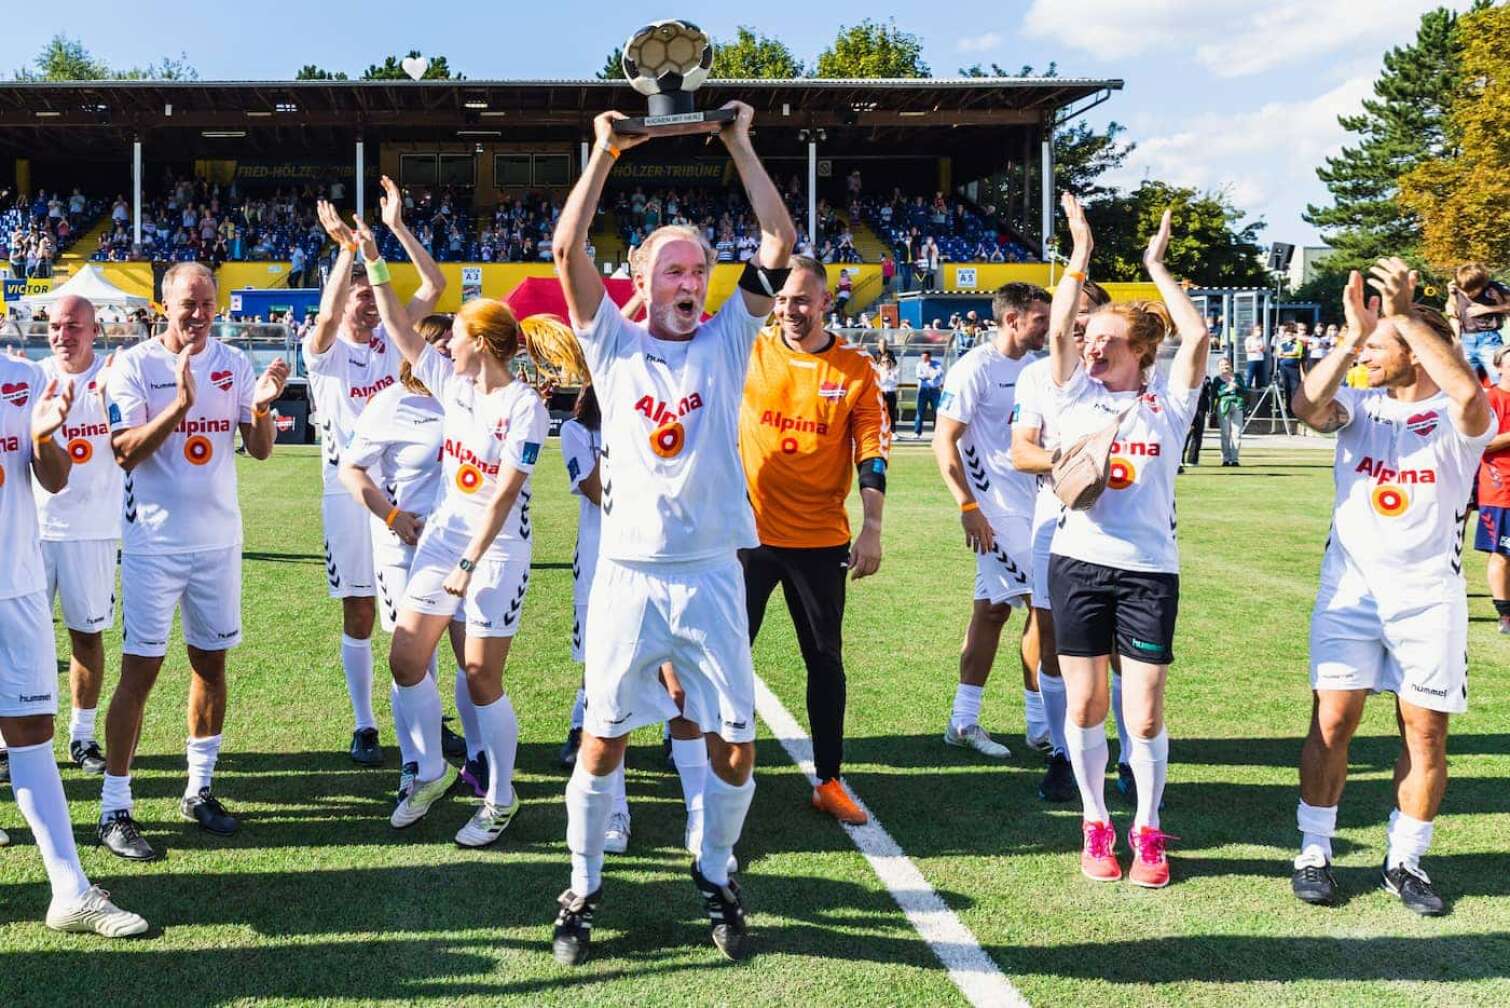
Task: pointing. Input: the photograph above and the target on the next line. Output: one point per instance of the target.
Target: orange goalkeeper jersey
(807, 419)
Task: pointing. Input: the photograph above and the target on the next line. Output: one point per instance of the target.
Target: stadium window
(458, 170)
(417, 170)
(552, 170)
(512, 171)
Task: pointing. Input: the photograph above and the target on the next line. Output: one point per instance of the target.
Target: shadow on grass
(293, 558)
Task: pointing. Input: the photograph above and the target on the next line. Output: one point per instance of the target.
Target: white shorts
(693, 617)
(495, 596)
(1046, 512)
(28, 657)
(391, 574)
(1002, 574)
(205, 584)
(81, 574)
(1414, 646)
(348, 546)
(578, 630)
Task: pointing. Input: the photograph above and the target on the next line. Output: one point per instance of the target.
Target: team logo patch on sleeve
(529, 453)
(573, 470)
(946, 400)
(115, 413)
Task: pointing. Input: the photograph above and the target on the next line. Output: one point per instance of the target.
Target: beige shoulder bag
(1081, 470)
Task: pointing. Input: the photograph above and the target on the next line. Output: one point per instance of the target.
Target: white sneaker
(616, 836)
(1043, 742)
(94, 912)
(692, 840)
(487, 823)
(975, 737)
(422, 794)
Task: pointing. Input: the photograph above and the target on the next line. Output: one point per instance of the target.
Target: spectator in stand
(888, 273)
(121, 212)
(887, 375)
(845, 291)
(931, 259)
(1229, 396)
(930, 376)
(1253, 352)
(1476, 307)
(1493, 535)
(1288, 350)
(1321, 343)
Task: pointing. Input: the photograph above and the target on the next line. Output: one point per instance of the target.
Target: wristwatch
(466, 565)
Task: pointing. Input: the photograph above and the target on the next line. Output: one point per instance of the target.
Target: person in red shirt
(1493, 535)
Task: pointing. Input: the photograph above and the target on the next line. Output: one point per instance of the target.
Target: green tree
(1211, 246)
(1401, 126)
(66, 59)
(311, 72)
(873, 49)
(392, 69)
(976, 70)
(613, 65)
(754, 56)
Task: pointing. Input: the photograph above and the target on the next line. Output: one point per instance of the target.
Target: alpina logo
(1422, 423)
(15, 393)
(221, 380)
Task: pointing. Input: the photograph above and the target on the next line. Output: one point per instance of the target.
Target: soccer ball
(667, 56)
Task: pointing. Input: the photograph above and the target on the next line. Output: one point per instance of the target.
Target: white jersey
(21, 569)
(398, 441)
(673, 485)
(483, 434)
(1035, 406)
(342, 380)
(90, 506)
(182, 498)
(980, 391)
(1132, 525)
(580, 449)
(1403, 475)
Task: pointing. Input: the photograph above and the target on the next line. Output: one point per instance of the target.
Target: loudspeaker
(1280, 255)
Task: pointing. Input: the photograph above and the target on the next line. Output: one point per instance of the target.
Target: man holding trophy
(674, 507)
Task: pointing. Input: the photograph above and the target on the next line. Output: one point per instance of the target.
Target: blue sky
(1220, 94)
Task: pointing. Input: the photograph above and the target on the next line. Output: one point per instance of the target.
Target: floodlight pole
(136, 192)
(361, 178)
(1047, 222)
(812, 194)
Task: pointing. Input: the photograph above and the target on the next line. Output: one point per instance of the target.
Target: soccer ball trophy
(667, 61)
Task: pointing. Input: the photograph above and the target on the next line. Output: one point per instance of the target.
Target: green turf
(317, 899)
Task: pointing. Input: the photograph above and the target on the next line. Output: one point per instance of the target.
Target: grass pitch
(319, 900)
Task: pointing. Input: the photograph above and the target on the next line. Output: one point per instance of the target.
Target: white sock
(1149, 759)
(81, 725)
(421, 717)
(1409, 840)
(202, 754)
(589, 800)
(466, 710)
(691, 756)
(499, 728)
(620, 797)
(1317, 825)
(1032, 708)
(356, 659)
(724, 810)
(1088, 755)
(115, 796)
(400, 727)
(966, 706)
(39, 793)
(1055, 708)
(1124, 739)
(578, 708)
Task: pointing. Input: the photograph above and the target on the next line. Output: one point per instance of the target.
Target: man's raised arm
(777, 233)
(333, 298)
(577, 272)
(1315, 401)
(432, 282)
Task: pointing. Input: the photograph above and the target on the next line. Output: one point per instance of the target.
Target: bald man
(81, 524)
(177, 402)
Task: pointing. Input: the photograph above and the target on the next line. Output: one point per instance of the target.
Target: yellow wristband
(391, 515)
(613, 151)
(972, 506)
(377, 271)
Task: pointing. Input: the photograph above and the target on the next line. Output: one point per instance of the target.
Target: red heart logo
(221, 380)
(1422, 423)
(15, 393)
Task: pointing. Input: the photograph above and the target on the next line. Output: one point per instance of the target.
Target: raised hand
(331, 221)
(1080, 228)
(602, 129)
(1361, 315)
(391, 204)
(1395, 281)
(366, 243)
(51, 409)
(184, 373)
(1158, 245)
(270, 385)
(739, 129)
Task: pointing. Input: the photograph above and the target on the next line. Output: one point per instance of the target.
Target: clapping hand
(270, 385)
(331, 221)
(183, 372)
(391, 204)
(1158, 245)
(1395, 281)
(1080, 228)
(51, 409)
(1361, 314)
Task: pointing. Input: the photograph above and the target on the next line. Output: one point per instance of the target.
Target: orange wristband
(349, 246)
(1076, 274)
(391, 515)
(613, 151)
(972, 506)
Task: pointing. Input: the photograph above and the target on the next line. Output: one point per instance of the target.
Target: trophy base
(675, 124)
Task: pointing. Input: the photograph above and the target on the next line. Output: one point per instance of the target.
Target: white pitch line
(978, 978)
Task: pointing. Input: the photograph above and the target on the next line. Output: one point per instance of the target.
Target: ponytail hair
(430, 329)
(1148, 323)
(492, 328)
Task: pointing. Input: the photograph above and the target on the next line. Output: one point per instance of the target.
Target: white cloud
(1228, 38)
(1264, 159)
(979, 43)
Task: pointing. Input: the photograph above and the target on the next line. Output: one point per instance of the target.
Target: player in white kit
(473, 556)
(349, 359)
(972, 445)
(1391, 614)
(81, 525)
(674, 515)
(32, 411)
(177, 402)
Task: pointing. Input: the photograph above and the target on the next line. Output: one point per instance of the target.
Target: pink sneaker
(1150, 868)
(1098, 859)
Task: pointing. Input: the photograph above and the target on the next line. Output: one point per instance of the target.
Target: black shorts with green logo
(1099, 608)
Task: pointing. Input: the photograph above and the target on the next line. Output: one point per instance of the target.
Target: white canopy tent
(90, 284)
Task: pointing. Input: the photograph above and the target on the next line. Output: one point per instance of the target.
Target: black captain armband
(760, 281)
(873, 474)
